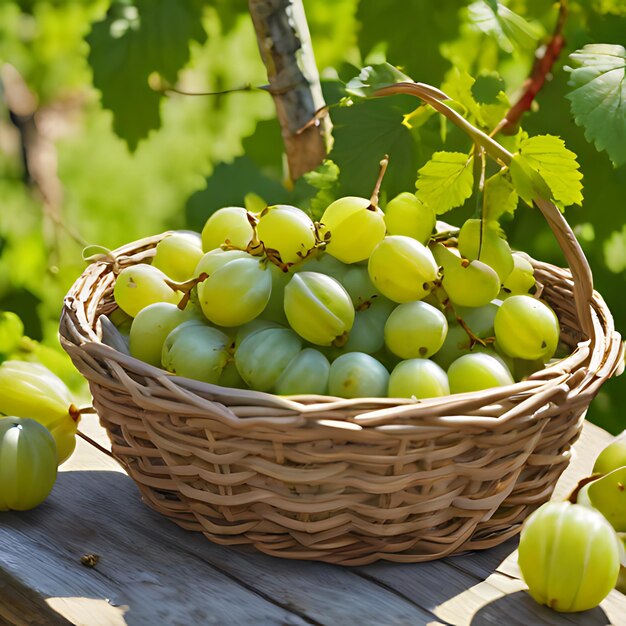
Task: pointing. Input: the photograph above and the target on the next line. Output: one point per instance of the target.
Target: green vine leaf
(446, 181)
(527, 182)
(500, 196)
(132, 42)
(598, 97)
(375, 77)
(557, 166)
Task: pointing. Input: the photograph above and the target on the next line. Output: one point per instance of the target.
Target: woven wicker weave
(346, 481)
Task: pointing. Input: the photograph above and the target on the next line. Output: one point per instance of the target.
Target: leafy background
(128, 159)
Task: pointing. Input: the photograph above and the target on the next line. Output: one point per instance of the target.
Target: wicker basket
(346, 481)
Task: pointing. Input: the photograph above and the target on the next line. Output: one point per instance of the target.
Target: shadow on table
(503, 611)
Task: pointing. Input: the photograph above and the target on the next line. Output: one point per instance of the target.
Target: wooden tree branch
(285, 45)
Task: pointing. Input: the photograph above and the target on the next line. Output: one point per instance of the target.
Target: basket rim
(591, 362)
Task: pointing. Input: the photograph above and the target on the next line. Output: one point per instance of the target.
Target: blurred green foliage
(191, 155)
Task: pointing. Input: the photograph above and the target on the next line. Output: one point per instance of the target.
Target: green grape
(477, 371)
(138, 286)
(612, 457)
(237, 289)
(491, 248)
(230, 225)
(419, 379)
(521, 279)
(456, 344)
(28, 463)
(358, 284)
(30, 390)
(287, 230)
(402, 269)
(306, 373)
(357, 375)
(406, 215)
(469, 284)
(252, 327)
(231, 377)
(522, 368)
(323, 263)
(275, 309)
(318, 308)
(356, 227)
(122, 321)
(150, 328)
(526, 328)
(415, 330)
(196, 351)
(264, 355)
(569, 556)
(368, 331)
(607, 495)
(177, 255)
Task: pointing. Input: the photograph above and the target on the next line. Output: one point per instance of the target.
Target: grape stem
(379, 181)
(186, 287)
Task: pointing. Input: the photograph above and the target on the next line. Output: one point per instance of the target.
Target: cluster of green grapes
(573, 553)
(364, 303)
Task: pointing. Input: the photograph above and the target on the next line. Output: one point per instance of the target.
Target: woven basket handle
(574, 256)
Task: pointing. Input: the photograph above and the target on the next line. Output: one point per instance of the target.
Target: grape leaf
(500, 196)
(527, 181)
(598, 97)
(446, 181)
(508, 28)
(128, 45)
(557, 166)
(375, 77)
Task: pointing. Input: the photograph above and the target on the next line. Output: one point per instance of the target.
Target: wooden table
(152, 572)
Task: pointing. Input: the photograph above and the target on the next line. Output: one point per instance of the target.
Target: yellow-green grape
(252, 327)
(122, 321)
(356, 227)
(138, 286)
(231, 377)
(323, 263)
(523, 368)
(237, 289)
(28, 463)
(477, 371)
(306, 373)
(612, 457)
(264, 355)
(357, 375)
(419, 379)
(287, 230)
(415, 330)
(490, 247)
(526, 328)
(150, 328)
(456, 344)
(196, 351)
(177, 255)
(318, 308)
(230, 226)
(275, 309)
(402, 269)
(608, 495)
(30, 390)
(406, 215)
(521, 279)
(368, 331)
(358, 284)
(569, 556)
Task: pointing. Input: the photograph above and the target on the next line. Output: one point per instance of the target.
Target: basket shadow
(504, 609)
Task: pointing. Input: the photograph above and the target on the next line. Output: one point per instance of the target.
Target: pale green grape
(419, 379)
(122, 321)
(415, 330)
(323, 263)
(196, 351)
(612, 457)
(275, 309)
(237, 289)
(477, 371)
(456, 344)
(402, 269)
(355, 226)
(230, 225)
(406, 215)
(569, 556)
(318, 308)
(521, 279)
(490, 247)
(150, 328)
(138, 286)
(357, 375)
(306, 373)
(287, 230)
(231, 377)
(368, 331)
(526, 328)
(607, 495)
(252, 327)
(358, 284)
(177, 255)
(264, 355)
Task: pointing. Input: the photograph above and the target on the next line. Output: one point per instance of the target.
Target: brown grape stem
(379, 181)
